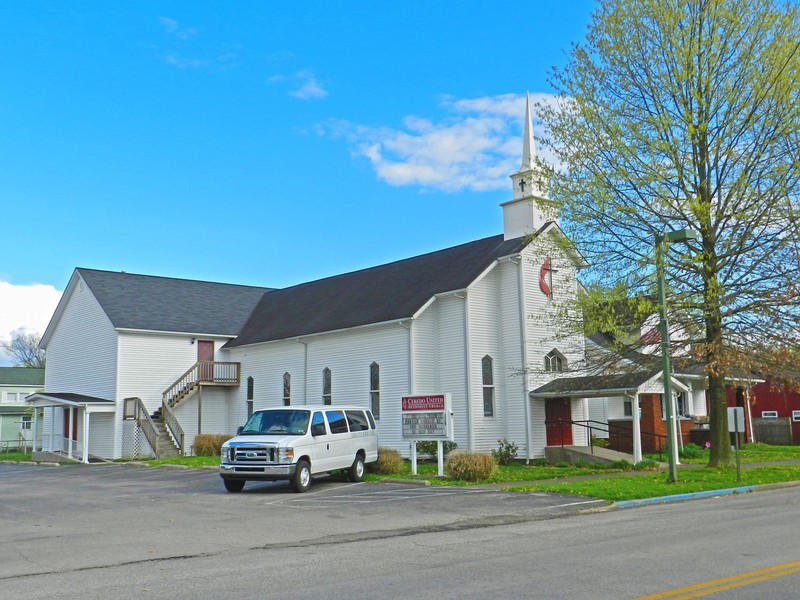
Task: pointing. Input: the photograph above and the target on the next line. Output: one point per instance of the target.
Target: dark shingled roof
(597, 384)
(376, 295)
(166, 304)
(70, 397)
(21, 376)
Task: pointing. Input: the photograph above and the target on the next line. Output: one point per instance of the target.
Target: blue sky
(261, 142)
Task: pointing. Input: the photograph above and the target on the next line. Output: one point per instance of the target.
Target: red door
(74, 435)
(205, 355)
(558, 421)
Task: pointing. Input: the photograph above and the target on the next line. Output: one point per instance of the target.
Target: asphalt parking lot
(75, 517)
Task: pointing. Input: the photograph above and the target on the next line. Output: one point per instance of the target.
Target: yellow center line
(714, 586)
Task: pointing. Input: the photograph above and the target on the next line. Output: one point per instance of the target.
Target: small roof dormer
(530, 207)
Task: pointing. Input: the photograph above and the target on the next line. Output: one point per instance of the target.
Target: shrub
(599, 442)
(389, 462)
(692, 451)
(469, 466)
(209, 444)
(540, 462)
(506, 453)
(645, 465)
(429, 447)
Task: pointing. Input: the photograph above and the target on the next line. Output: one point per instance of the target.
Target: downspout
(467, 369)
(523, 336)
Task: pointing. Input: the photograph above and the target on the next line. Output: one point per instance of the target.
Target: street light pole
(680, 235)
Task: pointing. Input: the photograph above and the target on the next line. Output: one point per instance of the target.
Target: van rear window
(357, 420)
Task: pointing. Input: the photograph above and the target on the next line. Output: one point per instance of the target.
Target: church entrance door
(558, 421)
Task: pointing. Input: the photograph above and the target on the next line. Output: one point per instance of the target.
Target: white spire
(528, 143)
(530, 207)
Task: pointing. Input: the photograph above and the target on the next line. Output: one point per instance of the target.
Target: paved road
(117, 531)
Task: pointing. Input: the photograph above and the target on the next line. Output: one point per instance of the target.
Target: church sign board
(427, 417)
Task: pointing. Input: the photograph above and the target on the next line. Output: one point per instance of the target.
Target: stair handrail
(173, 426)
(189, 379)
(202, 372)
(591, 425)
(145, 423)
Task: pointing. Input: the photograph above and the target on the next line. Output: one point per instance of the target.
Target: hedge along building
(473, 321)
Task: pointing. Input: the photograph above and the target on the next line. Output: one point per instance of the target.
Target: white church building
(138, 365)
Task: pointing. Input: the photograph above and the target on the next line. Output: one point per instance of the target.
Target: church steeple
(530, 208)
(529, 180)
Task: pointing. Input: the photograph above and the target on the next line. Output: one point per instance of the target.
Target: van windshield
(284, 422)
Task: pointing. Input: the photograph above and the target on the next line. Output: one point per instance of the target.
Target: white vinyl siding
(82, 350)
(151, 362)
(348, 355)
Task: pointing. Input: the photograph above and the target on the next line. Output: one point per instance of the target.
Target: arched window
(287, 389)
(555, 362)
(487, 378)
(375, 389)
(327, 397)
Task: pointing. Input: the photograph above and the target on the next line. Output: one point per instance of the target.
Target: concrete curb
(707, 494)
(688, 496)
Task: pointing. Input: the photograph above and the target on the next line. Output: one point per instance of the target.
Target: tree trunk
(720, 455)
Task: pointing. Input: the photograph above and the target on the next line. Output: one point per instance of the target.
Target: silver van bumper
(254, 472)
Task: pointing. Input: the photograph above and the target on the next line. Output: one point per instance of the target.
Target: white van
(295, 443)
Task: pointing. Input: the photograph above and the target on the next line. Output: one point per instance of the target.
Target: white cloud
(305, 85)
(476, 147)
(172, 28)
(25, 308)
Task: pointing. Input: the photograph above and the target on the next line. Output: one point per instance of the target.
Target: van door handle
(327, 446)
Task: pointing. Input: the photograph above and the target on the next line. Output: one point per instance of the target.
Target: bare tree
(24, 349)
(686, 114)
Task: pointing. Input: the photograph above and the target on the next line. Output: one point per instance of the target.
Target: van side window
(318, 424)
(336, 421)
(356, 420)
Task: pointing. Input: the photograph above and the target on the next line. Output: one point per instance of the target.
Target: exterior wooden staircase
(162, 429)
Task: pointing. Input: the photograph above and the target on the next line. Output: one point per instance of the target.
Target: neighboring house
(475, 321)
(16, 427)
(772, 412)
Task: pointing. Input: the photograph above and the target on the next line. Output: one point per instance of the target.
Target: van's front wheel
(356, 471)
(301, 480)
(233, 485)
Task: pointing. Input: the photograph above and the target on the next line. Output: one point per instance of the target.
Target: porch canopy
(630, 385)
(79, 404)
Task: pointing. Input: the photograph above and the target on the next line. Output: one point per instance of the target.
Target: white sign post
(736, 426)
(427, 418)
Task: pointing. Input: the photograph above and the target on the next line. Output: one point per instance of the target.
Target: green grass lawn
(652, 485)
(192, 462)
(15, 456)
(748, 453)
